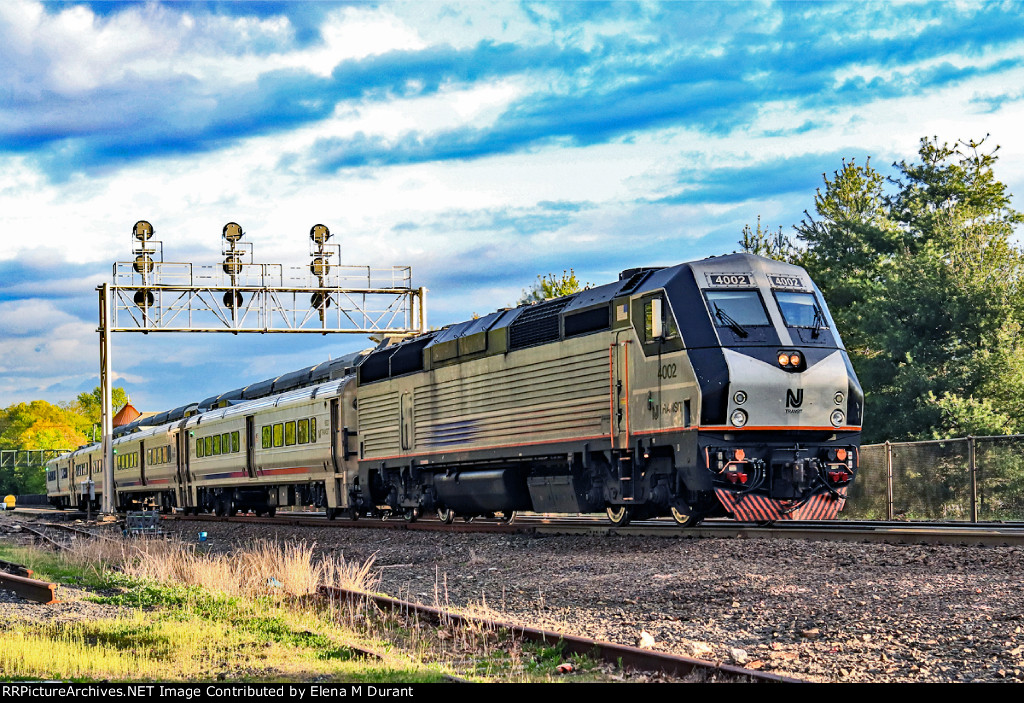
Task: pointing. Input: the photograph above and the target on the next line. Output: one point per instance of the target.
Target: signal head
(142, 230)
(319, 234)
(233, 231)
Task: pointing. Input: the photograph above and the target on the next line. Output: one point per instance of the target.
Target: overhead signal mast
(149, 294)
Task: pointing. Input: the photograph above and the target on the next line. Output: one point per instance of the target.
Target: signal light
(142, 230)
(740, 455)
(232, 232)
(841, 454)
(320, 234)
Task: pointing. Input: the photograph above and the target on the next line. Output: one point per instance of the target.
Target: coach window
(278, 435)
(312, 429)
(225, 442)
(302, 429)
(236, 446)
(267, 442)
(200, 446)
(216, 444)
(289, 432)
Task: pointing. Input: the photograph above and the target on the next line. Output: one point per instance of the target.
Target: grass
(246, 616)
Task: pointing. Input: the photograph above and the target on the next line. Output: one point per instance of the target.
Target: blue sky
(482, 143)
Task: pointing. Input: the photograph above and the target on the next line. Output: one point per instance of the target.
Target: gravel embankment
(818, 610)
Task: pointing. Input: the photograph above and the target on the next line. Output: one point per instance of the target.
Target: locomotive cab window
(800, 309)
(731, 308)
(658, 320)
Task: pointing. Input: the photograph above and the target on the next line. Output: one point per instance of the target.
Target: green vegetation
(248, 627)
(41, 425)
(552, 286)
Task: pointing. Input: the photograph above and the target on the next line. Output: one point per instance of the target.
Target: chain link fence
(969, 479)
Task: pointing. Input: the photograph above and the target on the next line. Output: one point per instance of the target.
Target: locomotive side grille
(378, 424)
(536, 324)
(552, 398)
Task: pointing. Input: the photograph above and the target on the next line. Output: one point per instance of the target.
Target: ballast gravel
(821, 611)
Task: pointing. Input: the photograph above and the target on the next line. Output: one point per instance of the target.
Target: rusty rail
(16, 569)
(616, 654)
(39, 591)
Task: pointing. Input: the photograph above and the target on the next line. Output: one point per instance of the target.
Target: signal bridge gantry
(239, 295)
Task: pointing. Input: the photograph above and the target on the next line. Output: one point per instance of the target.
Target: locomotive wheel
(272, 511)
(506, 518)
(468, 518)
(220, 510)
(410, 514)
(332, 513)
(619, 515)
(353, 513)
(685, 517)
(446, 515)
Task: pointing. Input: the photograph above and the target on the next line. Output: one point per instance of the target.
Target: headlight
(738, 418)
(837, 418)
(740, 397)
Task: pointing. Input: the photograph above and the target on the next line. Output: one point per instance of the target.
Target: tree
(40, 425)
(924, 284)
(767, 243)
(90, 404)
(553, 287)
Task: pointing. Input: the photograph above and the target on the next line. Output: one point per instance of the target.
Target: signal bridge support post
(106, 391)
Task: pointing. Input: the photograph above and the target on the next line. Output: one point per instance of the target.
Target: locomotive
(718, 387)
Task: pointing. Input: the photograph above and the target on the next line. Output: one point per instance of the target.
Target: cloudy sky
(482, 143)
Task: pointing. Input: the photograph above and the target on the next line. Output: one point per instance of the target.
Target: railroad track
(988, 534)
(893, 532)
(616, 654)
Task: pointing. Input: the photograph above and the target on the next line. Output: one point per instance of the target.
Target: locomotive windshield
(800, 310)
(737, 309)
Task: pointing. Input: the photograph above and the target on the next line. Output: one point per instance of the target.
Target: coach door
(184, 468)
(336, 439)
(250, 446)
(142, 462)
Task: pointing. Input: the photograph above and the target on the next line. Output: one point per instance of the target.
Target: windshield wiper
(731, 323)
(818, 323)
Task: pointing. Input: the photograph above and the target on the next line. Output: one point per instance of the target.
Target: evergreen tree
(923, 280)
(552, 286)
